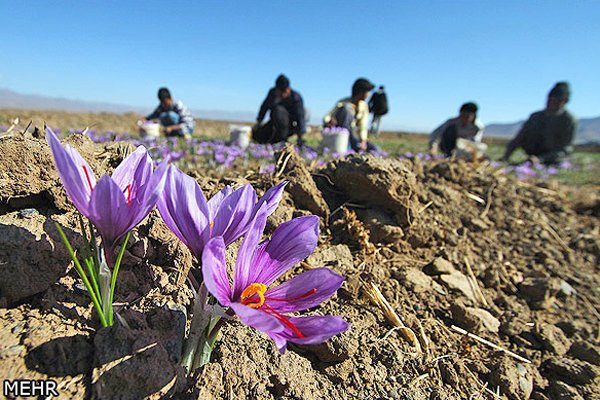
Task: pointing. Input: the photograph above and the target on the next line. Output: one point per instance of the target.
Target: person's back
(378, 104)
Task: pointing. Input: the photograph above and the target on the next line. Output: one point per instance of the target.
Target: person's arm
(266, 105)
(187, 121)
(516, 142)
(299, 108)
(155, 114)
(362, 123)
(329, 119)
(479, 134)
(435, 136)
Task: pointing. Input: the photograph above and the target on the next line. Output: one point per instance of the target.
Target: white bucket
(336, 142)
(239, 135)
(149, 129)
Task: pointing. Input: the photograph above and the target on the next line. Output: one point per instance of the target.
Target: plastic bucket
(239, 135)
(149, 130)
(336, 142)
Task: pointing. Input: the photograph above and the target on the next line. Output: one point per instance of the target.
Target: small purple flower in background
(552, 171)
(267, 169)
(229, 213)
(260, 265)
(566, 165)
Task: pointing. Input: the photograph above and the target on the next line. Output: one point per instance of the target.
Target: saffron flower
(229, 213)
(260, 265)
(114, 204)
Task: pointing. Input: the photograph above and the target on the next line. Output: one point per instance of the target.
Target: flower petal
(184, 210)
(72, 174)
(257, 319)
(290, 243)
(316, 329)
(214, 271)
(271, 198)
(149, 193)
(323, 280)
(245, 269)
(234, 214)
(135, 169)
(216, 200)
(109, 211)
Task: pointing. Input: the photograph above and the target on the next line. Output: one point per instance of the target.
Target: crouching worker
(352, 113)
(286, 114)
(174, 116)
(547, 135)
(465, 127)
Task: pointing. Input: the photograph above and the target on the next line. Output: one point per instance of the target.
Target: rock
(539, 292)
(132, 359)
(385, 184)
(439, 266)
(337, 257)
(301, 185)
(553, 339)
(415, 279)
(459, 282)
(573, 372)
(586, 352)
(382, 227)
(566, 289)
(562, 391)
(337, 349)
(170, 322)
(474, 319)
(33, 257)
(513, 378)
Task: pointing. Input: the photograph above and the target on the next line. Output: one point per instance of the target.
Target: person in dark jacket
(287, 117)
(547, 135)
(378, 106)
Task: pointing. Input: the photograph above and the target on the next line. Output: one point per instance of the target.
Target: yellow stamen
(211, 224)
(251, 290)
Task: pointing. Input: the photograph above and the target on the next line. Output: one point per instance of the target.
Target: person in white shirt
(465, 126)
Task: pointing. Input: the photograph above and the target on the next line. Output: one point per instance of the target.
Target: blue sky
(431, 55)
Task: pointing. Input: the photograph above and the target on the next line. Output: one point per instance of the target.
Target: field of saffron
(196, 269)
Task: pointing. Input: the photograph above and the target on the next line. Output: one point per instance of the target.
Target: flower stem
(113, 280)
(90, 266)
(81, 272)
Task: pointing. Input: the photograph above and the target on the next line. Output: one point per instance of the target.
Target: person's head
(558, 97)
(381, 88)
(467, 113)
(361, 89)
(165, 97)
(282, 85)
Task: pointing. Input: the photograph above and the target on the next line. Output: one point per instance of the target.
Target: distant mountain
(588, 131)
(12, 99)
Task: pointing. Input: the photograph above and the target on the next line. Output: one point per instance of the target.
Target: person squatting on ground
(547, 135)
(352, 113)
(378, 106)
(465, 126)
(287, 117)
(174, 116)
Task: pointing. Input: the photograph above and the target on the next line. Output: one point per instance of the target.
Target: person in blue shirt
(287, 115)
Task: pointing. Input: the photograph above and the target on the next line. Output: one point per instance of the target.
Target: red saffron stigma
(128, 188)
(88, 177)
(259, 289)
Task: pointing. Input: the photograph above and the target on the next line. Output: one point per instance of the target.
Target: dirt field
(449, 245)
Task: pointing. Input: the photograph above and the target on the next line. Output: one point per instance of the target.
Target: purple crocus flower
(229, 213)
(114, 204)
(258, 266)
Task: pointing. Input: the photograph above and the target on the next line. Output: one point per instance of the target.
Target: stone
(566, 289)
(539, 292)
(415, 279)
(562, 391)
(474, 319)
(132, 359)
(439, 266)
(570, 371)
(32, 255)
(514, 380)
(585, 351)
(459, 282)
(553, 339)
